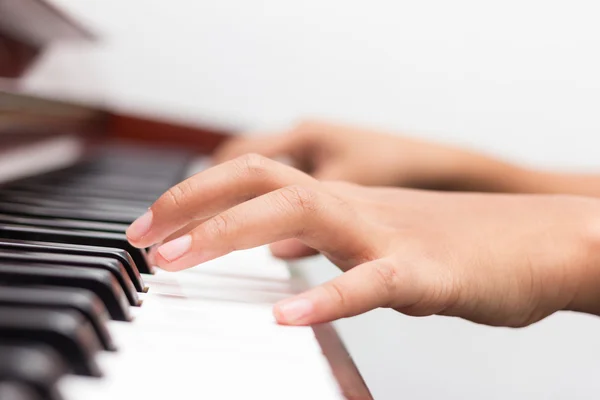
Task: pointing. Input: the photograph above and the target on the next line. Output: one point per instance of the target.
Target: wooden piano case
(26, 28)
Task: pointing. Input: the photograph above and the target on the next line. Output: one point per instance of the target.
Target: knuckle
(252, 165)
(300, 198)
(386, 277)
(219, 226)
(337, 293)
(178, 194)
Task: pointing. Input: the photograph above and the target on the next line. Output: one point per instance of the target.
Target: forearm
(476, 172)
(561, 183)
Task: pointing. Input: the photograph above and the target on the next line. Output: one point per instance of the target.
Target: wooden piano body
(32, 122)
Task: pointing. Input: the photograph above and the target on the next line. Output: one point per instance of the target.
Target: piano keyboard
(84, 316)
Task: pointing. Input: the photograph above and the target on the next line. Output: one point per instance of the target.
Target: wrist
(586, 289)
(476, 172)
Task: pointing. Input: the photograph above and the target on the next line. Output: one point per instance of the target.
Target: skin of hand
(338, 152)
(505, 260)
(368, 157)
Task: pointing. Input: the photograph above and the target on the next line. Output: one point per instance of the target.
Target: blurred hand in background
(337, 152)
(369, 157)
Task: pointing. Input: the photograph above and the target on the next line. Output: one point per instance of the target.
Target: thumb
(361, 289)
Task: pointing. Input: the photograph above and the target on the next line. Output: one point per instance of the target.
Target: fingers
(183, 231)
(152, 255)
(209, 192)
(361, 289)
(319, 220)
(291, 248)
(271, 146)
(186, 229)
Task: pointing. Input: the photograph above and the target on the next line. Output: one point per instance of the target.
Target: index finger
(209, 192)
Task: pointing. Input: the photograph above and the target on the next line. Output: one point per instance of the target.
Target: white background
(519, 79)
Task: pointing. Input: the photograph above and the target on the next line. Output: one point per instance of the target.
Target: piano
(84, 315)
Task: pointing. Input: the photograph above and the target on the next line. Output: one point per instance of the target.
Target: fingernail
(293, 310)
(140, 227)
(174, 249)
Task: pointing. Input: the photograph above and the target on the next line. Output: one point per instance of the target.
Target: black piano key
(82, 301)
(100, 239)
(110, 166)
(119, 217)
(11, 389)
(82, 200)
(154, 170)
(90, 191)
(101, 282)
(143, 160)
(67, 332)
(34, 199)
(103, 181)
(63, 223)
(159, 174)
(99, 188)
(64, 248)
(33, 365)
(107, 264)
(120, 257)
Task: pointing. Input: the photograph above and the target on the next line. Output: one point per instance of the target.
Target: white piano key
(243, 276)
(200, 280)
(209, 333)
(201, 377)
(256, 262)
(224, 294)
(186, 345)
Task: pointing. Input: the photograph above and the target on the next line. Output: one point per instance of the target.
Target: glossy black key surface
(101, 282)
(82, 301)
(34, 199)
(117, 180)
(67, 332)
(75, 224)
(32, 365)
(130, 191)
(110, 166)
(108, 264)
(101, 239)
(64, 248)
(89, 191)
(119, 217)
(141, 161)
(75, 198)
